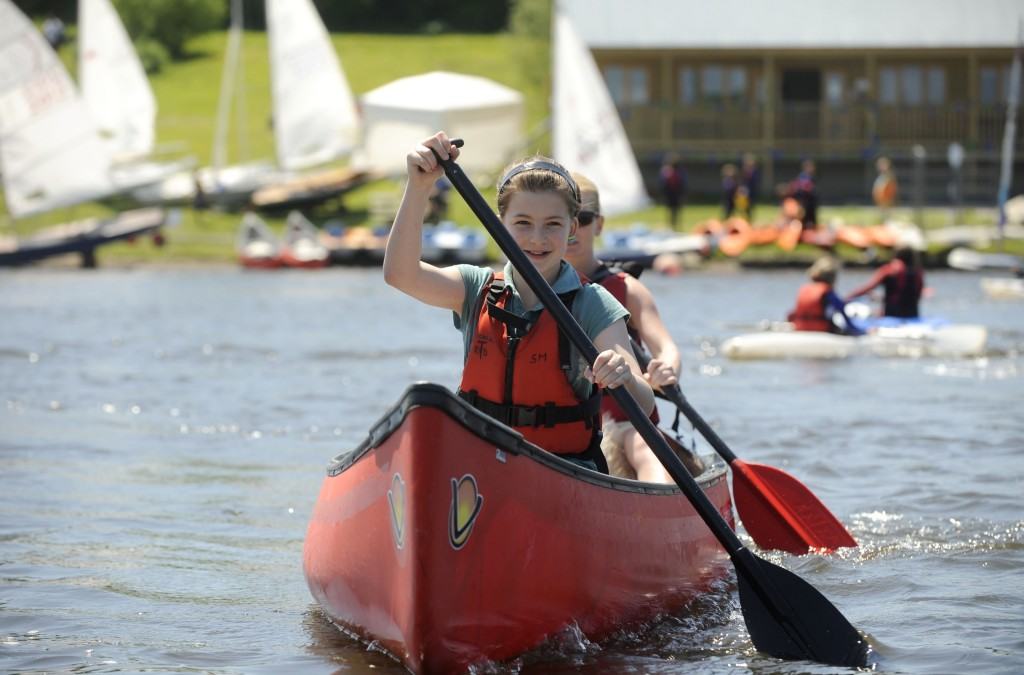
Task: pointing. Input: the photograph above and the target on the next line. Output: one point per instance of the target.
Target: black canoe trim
(430, 395)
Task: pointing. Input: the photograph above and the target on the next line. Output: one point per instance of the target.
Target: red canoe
(449, 540)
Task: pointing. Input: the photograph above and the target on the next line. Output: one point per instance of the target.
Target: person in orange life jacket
(626, 452)
(817, 302)
(903, 281)
(517, 368)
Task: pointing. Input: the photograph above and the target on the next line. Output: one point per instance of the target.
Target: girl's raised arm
(403, 269)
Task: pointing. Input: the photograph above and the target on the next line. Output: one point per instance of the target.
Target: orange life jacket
(809, 313)
(614, 281)
(518, 373)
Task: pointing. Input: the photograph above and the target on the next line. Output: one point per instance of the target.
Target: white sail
(315, 117)
(587, 134)
(113, 81)
(49, 149)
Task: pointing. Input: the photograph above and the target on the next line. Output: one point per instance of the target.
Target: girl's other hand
(610, 370)
(660, 374)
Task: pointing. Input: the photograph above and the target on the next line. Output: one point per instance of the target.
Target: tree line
(369, 16)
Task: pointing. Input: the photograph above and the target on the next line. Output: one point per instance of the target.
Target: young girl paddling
(626, 452)
(518, 367)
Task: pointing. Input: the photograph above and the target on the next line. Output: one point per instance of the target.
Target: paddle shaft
(786, 516)
(797, 623)
(675, 395)
(568, 324)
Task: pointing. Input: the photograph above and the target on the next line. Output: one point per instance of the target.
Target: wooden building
(841, 81)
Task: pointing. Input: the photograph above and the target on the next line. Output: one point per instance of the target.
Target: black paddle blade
(794, 621)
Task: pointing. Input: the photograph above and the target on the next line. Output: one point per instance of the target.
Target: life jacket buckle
(527, 417)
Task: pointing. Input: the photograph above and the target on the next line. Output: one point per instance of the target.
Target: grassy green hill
(187, 92)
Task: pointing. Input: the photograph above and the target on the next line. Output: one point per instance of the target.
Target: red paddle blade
(780, 513)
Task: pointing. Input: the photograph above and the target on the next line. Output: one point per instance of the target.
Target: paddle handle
(675, 395)
(568, 324)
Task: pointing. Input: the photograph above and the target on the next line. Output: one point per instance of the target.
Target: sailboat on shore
(588, 137)
(51, 152)
(315, 115)
(315, 120)
(117, 93)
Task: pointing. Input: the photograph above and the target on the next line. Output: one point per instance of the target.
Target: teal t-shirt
(594, 308)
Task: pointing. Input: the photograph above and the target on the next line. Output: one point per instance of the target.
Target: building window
(912, 85)
(737, 84)
(834, 89)
(627, 84)
(638, 90)
(717, 84)
(887, 86)
(936, 85)
(711, 84)
(615, 78)
(687, 86)
(994, 85)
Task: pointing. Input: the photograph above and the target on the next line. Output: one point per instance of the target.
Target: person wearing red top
(817, 302)
(627, 454)
(903, 282)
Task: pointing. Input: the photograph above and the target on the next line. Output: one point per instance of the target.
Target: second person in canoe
(627, 453)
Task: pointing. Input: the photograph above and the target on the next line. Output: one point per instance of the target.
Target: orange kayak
(737, 237)
(854, 236)
(764, 234)
(882, 236)
(789, 237)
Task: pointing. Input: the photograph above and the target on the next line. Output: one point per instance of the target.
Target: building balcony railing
(808, 126)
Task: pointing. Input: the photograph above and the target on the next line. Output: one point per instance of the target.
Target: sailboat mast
(1010, 131)
(228, 81)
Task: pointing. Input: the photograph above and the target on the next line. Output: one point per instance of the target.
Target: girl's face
(540, 224)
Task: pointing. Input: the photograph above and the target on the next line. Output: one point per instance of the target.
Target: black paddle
(786, 617)
(778, 510)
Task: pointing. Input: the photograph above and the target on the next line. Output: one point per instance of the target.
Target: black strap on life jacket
(548, 415)
(606, 269)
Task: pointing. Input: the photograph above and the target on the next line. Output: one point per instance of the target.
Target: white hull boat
(913, 340)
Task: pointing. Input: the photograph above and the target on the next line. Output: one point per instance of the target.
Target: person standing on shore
(885, 189)
(750, 186)
(672, 178)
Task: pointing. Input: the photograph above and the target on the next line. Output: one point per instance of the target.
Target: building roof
(796, 24)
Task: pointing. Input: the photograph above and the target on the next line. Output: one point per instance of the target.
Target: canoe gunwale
(507, 439)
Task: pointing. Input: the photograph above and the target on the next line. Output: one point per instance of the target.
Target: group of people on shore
(518, 368)
(741, 188)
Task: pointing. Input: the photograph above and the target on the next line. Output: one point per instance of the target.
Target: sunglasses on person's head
(586, 217)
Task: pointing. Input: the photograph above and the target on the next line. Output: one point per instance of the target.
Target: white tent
(397, 115)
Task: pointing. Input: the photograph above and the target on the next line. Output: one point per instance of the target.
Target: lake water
(163, 435)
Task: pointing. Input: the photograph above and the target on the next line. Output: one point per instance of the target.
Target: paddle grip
(568, 324)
